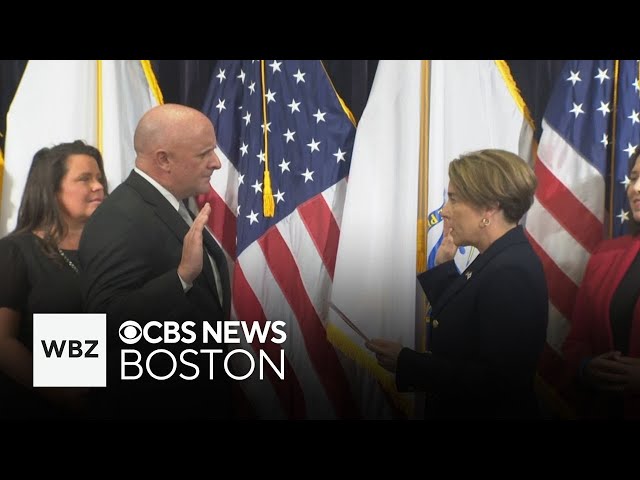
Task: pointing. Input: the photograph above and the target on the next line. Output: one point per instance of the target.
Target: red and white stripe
(564, 225)
(287, 275)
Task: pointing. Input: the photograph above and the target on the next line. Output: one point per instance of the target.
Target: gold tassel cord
(268, 204)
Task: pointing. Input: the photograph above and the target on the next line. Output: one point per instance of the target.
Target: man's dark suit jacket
(488, 329)
(129, 251)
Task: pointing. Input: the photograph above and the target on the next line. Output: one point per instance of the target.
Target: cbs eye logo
(130, 332)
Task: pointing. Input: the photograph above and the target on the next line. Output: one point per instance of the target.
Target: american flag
(282, 266)
(590, 129)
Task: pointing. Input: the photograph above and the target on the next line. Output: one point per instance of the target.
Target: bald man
(143, 261)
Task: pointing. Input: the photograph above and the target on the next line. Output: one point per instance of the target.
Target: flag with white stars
(284, 118)
(590, 129)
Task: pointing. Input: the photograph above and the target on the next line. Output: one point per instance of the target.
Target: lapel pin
(468, 275)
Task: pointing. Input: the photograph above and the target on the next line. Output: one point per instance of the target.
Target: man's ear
(161, 158)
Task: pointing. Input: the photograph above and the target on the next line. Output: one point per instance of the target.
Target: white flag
(472, 106)
(375, 277)
(57, 101)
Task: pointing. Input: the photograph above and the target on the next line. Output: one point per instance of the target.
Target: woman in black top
(39, 266)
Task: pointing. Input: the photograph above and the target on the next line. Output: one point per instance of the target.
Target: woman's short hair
(486, 178)
(39, 208)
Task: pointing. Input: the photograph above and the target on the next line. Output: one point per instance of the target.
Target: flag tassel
(268, 205)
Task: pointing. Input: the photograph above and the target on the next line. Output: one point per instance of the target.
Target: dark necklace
(69, 262)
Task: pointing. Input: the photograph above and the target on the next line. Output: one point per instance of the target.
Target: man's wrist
(186, 286)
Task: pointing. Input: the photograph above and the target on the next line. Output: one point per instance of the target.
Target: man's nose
(215, 161)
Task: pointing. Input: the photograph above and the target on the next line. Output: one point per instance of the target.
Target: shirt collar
(175, 203)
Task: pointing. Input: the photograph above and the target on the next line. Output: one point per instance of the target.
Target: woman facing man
(489, 322)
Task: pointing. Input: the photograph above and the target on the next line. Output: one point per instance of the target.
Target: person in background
(602, 349)
(40, 271)
(489, 322)
(146, 258)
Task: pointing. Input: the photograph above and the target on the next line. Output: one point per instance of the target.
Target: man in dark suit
(143, 259)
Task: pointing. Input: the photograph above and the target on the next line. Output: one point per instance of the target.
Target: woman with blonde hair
(488, 322)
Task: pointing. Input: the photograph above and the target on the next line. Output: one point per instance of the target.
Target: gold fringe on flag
(152, 81)
(99, 106)
(402, 401)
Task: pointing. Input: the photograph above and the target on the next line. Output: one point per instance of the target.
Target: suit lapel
(208, 273)
(211, 246)
(221, 262)
(172, 219)
(163, 209)
(472, 272)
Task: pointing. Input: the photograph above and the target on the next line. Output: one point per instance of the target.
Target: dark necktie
(216, 257)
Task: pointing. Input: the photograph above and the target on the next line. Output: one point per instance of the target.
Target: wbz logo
(74, 349)
(69, 350)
